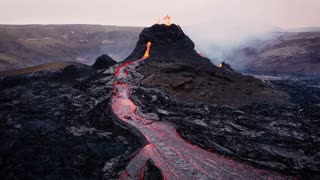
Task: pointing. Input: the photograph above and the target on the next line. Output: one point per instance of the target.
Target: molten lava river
(175, 157)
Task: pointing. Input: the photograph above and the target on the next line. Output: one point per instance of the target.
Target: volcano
(175, 66)
(165, 112)
(174, 157)
(169, 44)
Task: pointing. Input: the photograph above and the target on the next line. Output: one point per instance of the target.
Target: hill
(285, 52)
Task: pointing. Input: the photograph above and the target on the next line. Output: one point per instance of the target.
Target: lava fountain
(167, 20)
(175, 157)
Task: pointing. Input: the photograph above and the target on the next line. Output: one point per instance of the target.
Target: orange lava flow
(147, 53)
(175, 157)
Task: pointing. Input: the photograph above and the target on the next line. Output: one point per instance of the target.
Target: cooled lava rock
(103, 62)
(260, 131)
(281, 137)
(74, 71)
(175, 66)
(55, 125)
(151, 172)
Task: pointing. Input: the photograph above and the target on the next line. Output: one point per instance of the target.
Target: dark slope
(175, 66)
(103, 62)
(169, 44)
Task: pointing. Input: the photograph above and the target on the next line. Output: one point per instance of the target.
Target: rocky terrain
(282, 137)
(106, 121)
(58, 124)
(285, 52)
(28, 45)
(278, 135)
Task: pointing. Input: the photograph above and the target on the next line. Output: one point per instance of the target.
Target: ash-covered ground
(283, 137)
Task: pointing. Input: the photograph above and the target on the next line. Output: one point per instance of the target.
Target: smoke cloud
(220, 38)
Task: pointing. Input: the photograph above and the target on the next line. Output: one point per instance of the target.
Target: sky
(216, 26)
(278, 13)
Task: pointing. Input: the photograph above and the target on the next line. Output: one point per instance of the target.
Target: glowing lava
(202, 55)
(167, 20)
(220, 65)
(175, 157)
(147, 53)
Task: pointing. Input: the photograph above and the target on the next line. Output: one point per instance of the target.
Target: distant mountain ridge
(28, 45)
(292, 50)
(303, 29)
(285, 52)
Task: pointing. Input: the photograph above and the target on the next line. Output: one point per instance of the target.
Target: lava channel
(175, 157)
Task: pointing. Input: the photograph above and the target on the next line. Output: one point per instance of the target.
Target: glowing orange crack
(147, 53)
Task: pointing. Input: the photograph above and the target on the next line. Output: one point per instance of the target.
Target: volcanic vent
(176, 67)
(169, 44)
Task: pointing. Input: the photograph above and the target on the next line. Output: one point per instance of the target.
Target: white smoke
(219, 39)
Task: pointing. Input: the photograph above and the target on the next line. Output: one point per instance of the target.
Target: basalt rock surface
(281, 137)
(59, 125)
(150, 171)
